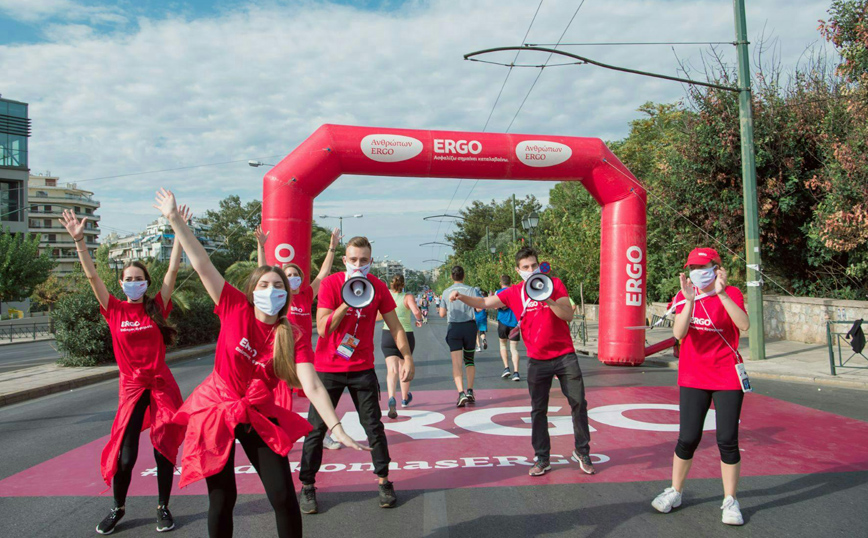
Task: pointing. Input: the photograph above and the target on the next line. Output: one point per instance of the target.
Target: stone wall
(799, 319)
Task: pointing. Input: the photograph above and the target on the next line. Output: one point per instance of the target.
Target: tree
(233, 224)
(49, 292)
(496, 217)
(847, 29)
(22, 267)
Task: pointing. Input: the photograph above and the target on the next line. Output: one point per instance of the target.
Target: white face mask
(353, 269)
(294, 282)
(134, 290)
(702, 278)
(270, 300)
(527, 274)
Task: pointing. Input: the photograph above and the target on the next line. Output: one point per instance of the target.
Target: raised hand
(261, 236)
(186, 213)
(339, 435)
(720, 282)
(336, 238)
(74, 226)
(687, 287)
(166, 203)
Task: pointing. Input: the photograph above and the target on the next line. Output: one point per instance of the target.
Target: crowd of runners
(265, 358)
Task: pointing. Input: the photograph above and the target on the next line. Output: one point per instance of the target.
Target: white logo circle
(390, 148)
(539, 153)
(283, 247)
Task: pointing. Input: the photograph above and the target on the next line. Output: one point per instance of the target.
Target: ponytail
(284, 353)
(152, 309)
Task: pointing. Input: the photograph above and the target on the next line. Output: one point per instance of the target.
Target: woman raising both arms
(148, 393)
(256, 349)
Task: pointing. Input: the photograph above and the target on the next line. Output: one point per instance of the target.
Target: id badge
(743, 378)
(348, 346)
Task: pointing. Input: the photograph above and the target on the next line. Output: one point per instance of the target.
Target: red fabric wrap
(213, 411)
(165, 401)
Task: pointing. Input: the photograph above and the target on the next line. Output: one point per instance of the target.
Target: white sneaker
(330, 443)
(731, 512)
(667, 500)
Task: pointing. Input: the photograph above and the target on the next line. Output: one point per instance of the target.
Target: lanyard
(679, 303)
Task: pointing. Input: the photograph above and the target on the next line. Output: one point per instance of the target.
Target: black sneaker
(165, 523)
(308, 499)
(393, 413)
(584, 462)
(107, 525)
(540, 468)
(462, 400)
(484, 343)
(470, 397)
(387, 495)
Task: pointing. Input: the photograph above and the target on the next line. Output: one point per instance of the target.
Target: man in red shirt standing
(344, 359)
(546, 332)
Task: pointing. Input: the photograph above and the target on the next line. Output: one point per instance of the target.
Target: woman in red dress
(148, 393)
(257, 349)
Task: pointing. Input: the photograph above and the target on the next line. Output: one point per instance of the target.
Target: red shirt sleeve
(508, 297)
(558, 289)
(330, 292)
(231, 300)
(736, 296)
(112, 308)
(164, 308)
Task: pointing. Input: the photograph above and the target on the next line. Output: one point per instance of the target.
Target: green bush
(196, 323)
(83, 337)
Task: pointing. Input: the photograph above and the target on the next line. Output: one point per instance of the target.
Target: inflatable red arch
(290, 187)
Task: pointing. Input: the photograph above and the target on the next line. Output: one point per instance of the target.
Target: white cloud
(256, 82)
(32, 11)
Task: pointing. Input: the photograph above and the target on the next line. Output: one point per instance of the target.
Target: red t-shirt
(245, 346)
(705, 361)
(300, 317)
(545, 335)
(363, 357)
(136, 339)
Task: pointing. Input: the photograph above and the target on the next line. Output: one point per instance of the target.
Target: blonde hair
(284, 337)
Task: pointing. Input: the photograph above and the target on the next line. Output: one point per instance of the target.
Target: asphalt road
(825, 504)
(27, 354)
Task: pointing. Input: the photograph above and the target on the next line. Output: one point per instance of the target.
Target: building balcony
(57, 211)
(66, 199)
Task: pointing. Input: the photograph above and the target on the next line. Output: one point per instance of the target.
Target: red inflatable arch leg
(290, 187)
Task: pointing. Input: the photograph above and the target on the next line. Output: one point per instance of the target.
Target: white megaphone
(357, 291)
(539, 286)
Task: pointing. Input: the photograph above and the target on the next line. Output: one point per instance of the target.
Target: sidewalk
(785, 360)
(28, 383)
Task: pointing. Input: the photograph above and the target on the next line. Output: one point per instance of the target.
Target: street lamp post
(256, 164)
(341, 220)
(529, 223)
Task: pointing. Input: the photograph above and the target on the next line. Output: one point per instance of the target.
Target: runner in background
(256, 349)
(506, 322)
(148, 393)
(481, 325)
(423, 306)
(409, 315)
(708, 317)
(460, 335)
(300, 307)
(546, 331)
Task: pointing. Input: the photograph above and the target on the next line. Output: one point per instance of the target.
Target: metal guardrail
(579, 328)
(667, 322)
(22, 331)
(834, 340)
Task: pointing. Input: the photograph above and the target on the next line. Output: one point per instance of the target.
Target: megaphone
(357, 291)
(539, 286)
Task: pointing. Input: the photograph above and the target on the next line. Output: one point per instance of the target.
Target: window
(11, 201)
(52, 238)
(88, 211)
(48, 209)
(77, 209)
(46, 223)
(50, 182)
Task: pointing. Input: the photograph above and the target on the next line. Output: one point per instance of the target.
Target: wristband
(78, 240)
(331, 250)
(338, 423)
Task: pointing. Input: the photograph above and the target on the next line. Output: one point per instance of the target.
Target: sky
(120, 88)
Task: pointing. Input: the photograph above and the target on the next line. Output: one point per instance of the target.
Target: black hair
(526, 252)
(457, 273)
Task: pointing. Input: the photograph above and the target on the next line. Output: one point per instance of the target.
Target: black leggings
(130, 452)
(693, 406)
(276, 477)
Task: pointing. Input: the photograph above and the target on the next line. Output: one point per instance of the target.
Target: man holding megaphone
(543, 309)
(345, 320)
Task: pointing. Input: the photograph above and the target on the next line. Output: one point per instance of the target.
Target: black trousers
(693, 405)
(130, 453)
(273, 470)
(364, 389)
(539, 383)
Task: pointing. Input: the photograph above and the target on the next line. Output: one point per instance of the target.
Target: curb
(808, 380)
(96, 377)
(28, 341)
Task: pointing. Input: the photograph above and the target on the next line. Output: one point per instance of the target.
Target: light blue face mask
(702, 278)
(270, 300)
(135, 289)
(294, 282)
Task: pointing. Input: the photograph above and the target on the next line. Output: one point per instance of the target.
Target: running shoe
(406, 403)
(584, 462)
(667, 500)
(462, 399)
(470, 397)
(329, 443)
(516, 377)
(506, 373)
(478, 349)
(387, 495)
(540, 468)
(308, 503)
(392, 412)
(165, 523)
(731, 511)
(484, 343)
(107, 525)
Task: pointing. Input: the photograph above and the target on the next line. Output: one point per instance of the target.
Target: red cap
(701, 256)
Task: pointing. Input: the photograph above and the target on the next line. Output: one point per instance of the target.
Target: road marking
(435, 521)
